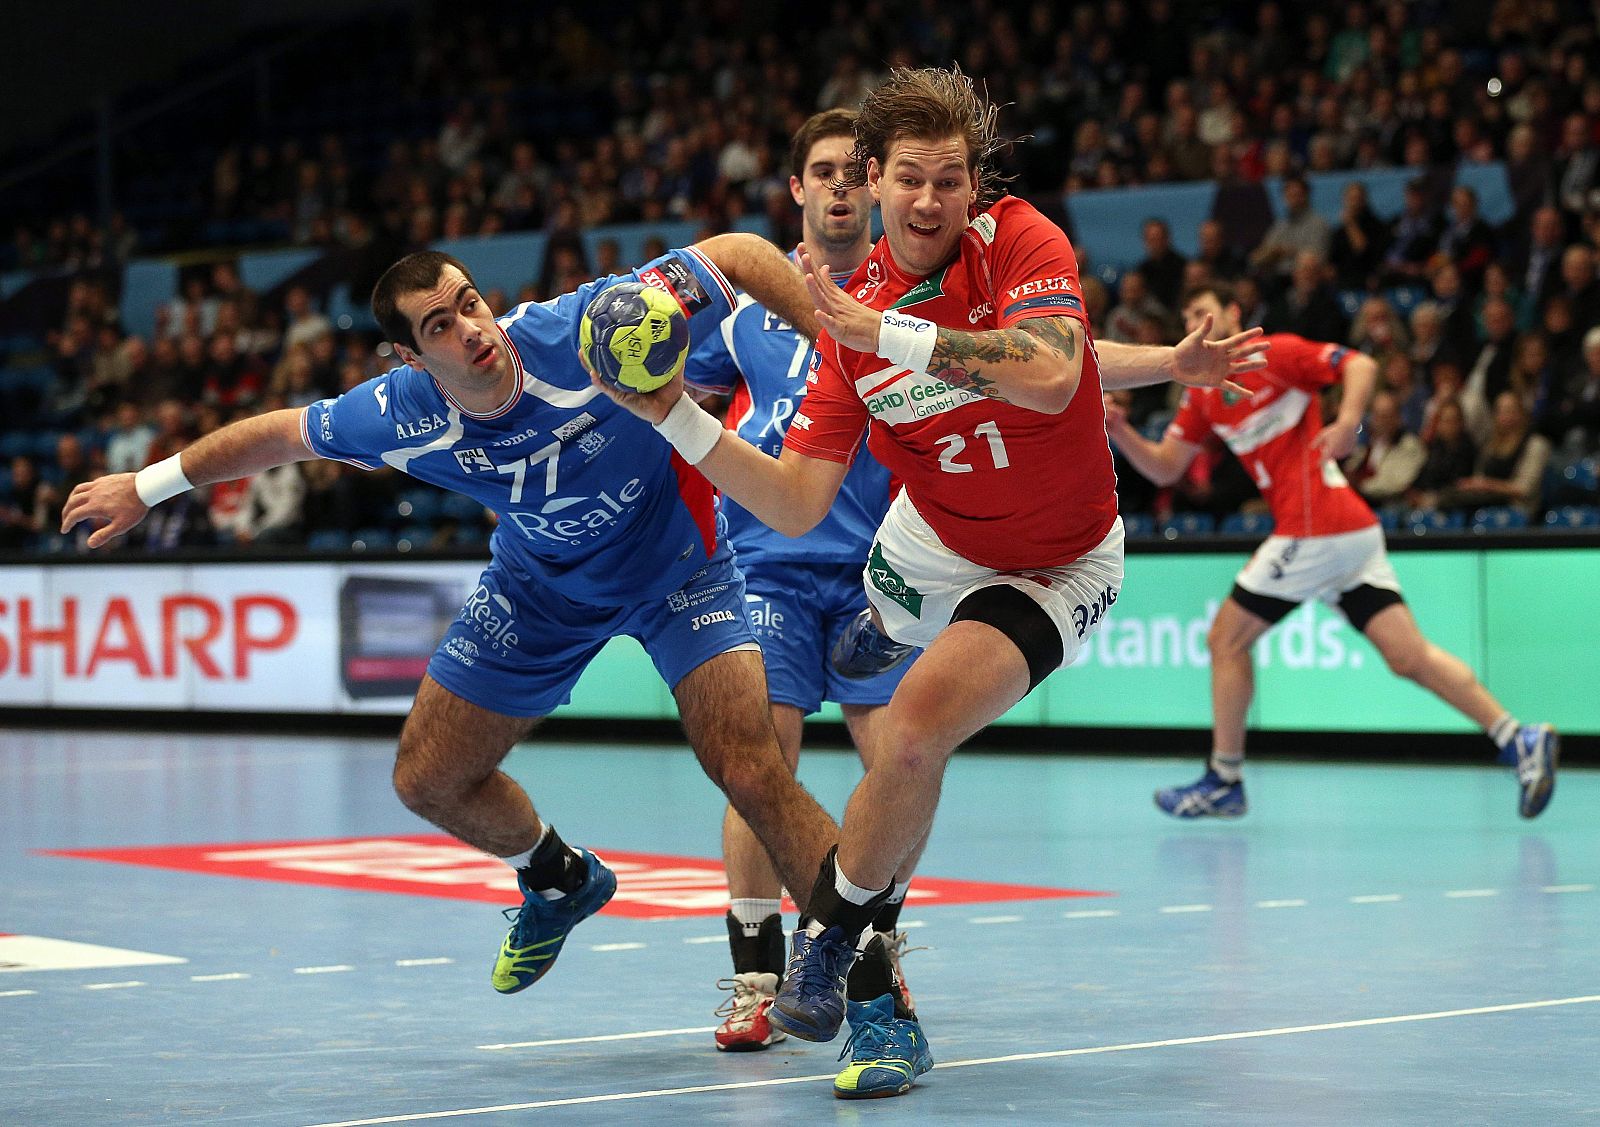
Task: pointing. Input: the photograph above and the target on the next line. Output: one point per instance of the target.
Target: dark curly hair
(928, 103)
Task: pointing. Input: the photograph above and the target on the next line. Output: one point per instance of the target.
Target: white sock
(854, 893)
(1229, 768)
(524, 859)
(750, 913)
(1503, 730)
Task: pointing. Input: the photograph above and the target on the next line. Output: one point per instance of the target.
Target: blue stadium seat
(1391, 519)
(1247, 524)
(328, 540)
(372, 540)
(1423, 521)
(14, 443)
(1138, 524)
(1189, 524)
(471, 536)
(413, 538)
(1583, 474)
(1573, 516)
(1405, 299)
(1350, 301)
(1498, 518)
(420, 506)
(5, 478)
(1156, 425)
(44, 443)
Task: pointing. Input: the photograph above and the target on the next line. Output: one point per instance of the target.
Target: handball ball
(634, 336)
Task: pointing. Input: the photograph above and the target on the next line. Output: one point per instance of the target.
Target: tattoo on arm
(963, 359)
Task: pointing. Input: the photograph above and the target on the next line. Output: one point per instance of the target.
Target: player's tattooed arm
(978, 362)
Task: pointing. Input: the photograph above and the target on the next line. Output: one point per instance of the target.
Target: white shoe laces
(749, 991)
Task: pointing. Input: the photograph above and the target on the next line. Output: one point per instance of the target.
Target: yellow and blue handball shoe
(887, 1053)
(540, 926)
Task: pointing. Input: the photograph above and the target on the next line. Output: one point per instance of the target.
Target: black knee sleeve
(1264, 607)
(1361, 603)
(1022, 620)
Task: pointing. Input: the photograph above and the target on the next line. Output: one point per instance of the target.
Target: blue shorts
(798, 610)
(518, 648)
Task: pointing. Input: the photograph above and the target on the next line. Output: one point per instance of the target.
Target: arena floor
(263, 935)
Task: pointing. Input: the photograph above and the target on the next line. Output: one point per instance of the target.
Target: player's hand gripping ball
(634, 336)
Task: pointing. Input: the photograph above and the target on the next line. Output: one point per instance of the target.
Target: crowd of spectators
(1488, 335)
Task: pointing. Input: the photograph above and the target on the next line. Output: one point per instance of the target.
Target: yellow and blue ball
(634, 336)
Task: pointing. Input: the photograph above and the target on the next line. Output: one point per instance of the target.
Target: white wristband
(691, 430)
(907, 340)
(156, 483)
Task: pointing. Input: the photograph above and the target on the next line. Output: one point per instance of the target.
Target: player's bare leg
(723, 704)
(756, 937)
(969, 677)
(1534, 750)
(448, 771)
(1233, 675)
(1394, 631)
(1219, 792)
(751, 874)
(869, 726)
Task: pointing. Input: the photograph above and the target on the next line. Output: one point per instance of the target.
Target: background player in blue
(802, 592)
(601, 533)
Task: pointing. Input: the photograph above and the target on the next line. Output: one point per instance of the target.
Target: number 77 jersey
(1004, 487)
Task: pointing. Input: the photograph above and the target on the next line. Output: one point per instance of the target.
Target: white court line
(605, 1037)
(1382, 898)
(232, 976)
(16, 993)
(111, 985)
(439, 962)
(1090, 914)
(616, 947)
(336, 969)
(908, 925)
(1054, 1054)
(1567, 888)
(995, 920)
(1467, 893)
(706, 939)
(1280, 903)
(1175, 909)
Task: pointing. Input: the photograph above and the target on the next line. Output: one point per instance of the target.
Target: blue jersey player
(603, 531)
(804, 593)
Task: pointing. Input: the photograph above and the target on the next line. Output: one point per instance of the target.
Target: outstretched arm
(117, 502)
(1360, 376)
(1193, 361)
(1162, 462)
(766, 274)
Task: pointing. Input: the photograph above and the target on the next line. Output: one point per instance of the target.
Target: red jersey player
(1326, 543)
(962, 346)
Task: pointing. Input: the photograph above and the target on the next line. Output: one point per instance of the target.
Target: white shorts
(915, 583)
(1295, 569)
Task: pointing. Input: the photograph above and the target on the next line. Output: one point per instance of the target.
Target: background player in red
(1326, 543)
(962, 340)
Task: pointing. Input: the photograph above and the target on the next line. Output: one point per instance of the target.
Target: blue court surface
(1370, 945)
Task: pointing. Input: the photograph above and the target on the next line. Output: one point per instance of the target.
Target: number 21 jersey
(1005, 487)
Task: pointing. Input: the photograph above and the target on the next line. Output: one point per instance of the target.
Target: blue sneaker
(810, 1005)
(887, 1053)
(864, 651)
(541, 926)
(1537, 749)
(1208, 797)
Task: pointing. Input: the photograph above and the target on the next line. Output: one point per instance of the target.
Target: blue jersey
(761, 361)
(592, 503)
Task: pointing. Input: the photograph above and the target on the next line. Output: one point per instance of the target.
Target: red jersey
(1271, 431)
(1004, 487)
